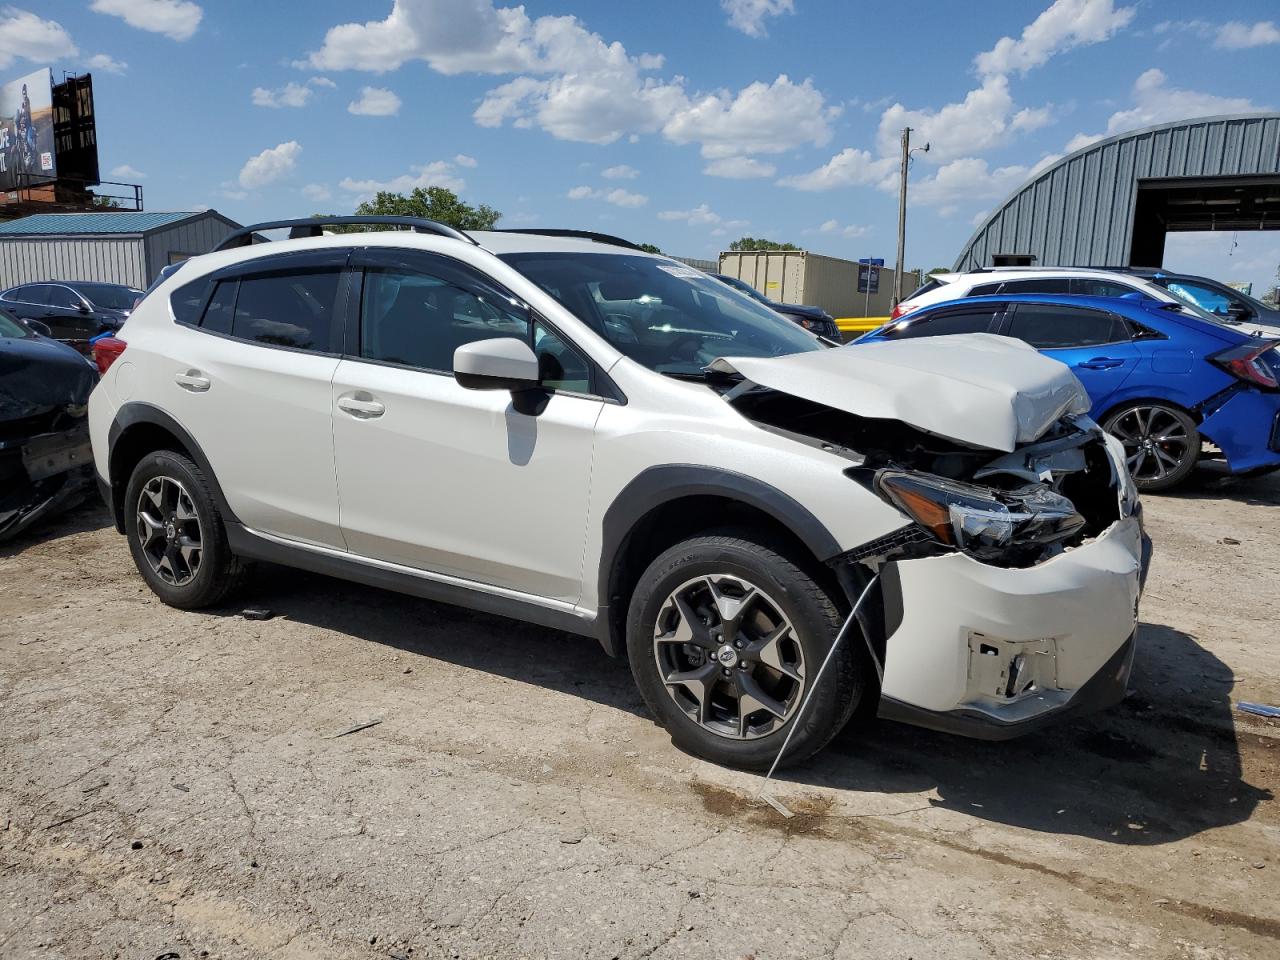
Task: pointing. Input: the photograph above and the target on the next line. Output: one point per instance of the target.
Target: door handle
(1101, 363)
(361, 406)
(192, 380)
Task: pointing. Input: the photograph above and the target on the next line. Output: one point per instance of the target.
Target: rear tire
(176, 535)
(742, 629)
(1161, 443)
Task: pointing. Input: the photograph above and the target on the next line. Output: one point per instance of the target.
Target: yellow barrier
(859, 325)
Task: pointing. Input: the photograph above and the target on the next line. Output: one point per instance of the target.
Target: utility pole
(902, 214)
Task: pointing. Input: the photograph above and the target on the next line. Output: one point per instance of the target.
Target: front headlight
(986, 523)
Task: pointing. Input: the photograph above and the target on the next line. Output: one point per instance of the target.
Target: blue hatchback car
(1162, 381)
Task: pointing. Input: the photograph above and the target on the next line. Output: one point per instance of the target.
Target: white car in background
(1075, 281)
(570, 431)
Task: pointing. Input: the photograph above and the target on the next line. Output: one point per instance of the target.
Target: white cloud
(978, 122)
(1155, 102)
(23, 34)
(618, 197)
(1241, 36)
(760, 118)
(620, 172)
(270, 165)
(317, 192)
(106, 63)
(748, 15)
(1029, 119)
(439, 173)
(290, 95)
(1066, 24)
(701, 215)
(177, 19)
(375, 102)
(126, 172)
(324, 82)
(971, 178)
(1082, 140)
(463, 160)
(848, 168)
(739, 168)
(848, 230)
(571, 82)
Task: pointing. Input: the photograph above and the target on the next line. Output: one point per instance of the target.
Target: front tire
(1161, 443)
(725, 636)
(176, 535)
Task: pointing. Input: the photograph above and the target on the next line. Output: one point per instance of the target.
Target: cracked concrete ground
(171, 785)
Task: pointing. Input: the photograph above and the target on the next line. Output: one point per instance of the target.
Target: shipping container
(798, 276)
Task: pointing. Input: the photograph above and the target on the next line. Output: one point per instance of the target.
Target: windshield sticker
(681, 271)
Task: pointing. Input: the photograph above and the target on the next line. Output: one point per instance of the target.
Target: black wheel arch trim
(136, 413)
(660, 485)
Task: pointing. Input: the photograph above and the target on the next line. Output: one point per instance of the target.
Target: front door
(475, 484)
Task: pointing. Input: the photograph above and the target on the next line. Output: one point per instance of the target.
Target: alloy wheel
(729, 656)
(169, 531)
(1155, 440)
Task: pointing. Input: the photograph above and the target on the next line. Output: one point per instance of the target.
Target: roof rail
(314, 227)
(578, 234)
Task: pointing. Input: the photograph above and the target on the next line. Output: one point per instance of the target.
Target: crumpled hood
(38, 375)
(976, 388)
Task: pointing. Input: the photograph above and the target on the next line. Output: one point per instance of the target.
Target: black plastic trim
(1104, 689)
(244, 543)
(133, 414)
(664, 484)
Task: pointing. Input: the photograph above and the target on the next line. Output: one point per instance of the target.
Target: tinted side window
(288, 308)
(1089, 287)
(1050, 327)
(187, 301)
(941, 325)
(560, 366)
(985, 290)
(63, 297)
(1042, 285)
(419, 319)
(36, 293)
(218, 314)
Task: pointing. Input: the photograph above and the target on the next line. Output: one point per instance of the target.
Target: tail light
(106, 351)
(1246, 363)
(902, 309)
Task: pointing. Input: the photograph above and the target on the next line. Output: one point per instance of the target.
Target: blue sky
(685, 124)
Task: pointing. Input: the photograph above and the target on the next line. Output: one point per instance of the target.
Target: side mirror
(84, 307)
(1238, 311)
(35, 326)
(503, 363)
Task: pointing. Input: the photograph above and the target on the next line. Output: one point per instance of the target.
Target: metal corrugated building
(129, 248)
(1112, 202)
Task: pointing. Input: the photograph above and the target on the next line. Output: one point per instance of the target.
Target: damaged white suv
(564, 429)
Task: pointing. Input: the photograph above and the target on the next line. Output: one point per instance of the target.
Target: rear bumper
(1246, 428)
(993, 652)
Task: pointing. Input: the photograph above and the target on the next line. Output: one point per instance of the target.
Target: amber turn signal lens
(926, 511)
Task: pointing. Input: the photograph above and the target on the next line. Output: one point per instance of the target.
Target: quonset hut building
(1112, 202)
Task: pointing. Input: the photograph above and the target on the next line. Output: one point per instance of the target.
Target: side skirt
(251, 545)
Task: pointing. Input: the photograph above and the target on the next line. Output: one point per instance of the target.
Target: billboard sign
(27, 155)
(868, 275)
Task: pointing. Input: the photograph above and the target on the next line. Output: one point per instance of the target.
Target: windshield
(670, 317)
(9, 327)
(109, 295)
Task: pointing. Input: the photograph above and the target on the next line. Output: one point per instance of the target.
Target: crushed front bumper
(994, 652)
(43, 475)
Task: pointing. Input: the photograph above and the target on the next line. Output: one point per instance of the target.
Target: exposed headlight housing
(985, 523)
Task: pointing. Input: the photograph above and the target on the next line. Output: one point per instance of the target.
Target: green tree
(649, 247)
(434, 203)
(753, 243)
(936, 270)
(106, 203)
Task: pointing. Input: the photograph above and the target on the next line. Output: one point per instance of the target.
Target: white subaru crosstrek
(569, 431)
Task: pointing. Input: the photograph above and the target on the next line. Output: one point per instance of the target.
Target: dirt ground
(172, 785)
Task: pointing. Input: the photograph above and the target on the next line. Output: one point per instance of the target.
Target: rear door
(248, 374)
(1095, 344)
